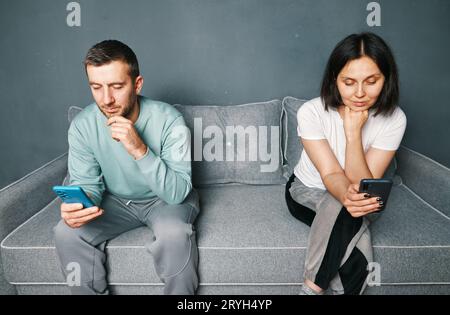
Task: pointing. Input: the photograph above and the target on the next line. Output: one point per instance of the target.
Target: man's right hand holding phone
(76, 216)
(360, 204)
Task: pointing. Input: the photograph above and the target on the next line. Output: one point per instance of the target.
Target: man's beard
(126, 111)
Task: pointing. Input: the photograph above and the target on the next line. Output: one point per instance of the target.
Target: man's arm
(169, 175)
(83, 167)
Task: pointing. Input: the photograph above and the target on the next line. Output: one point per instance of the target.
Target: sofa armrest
(425, 177)
(25, 197)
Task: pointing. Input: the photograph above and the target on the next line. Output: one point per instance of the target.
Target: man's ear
(138, 83)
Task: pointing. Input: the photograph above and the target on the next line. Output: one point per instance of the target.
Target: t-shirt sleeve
(392, 134)
(309, 123)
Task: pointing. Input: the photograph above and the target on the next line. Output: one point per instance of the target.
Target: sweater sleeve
(84, 169)
(169, 174)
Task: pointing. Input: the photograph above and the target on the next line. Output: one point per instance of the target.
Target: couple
(121, 152)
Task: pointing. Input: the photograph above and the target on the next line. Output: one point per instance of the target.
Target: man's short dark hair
(353, 47)
(112, 50)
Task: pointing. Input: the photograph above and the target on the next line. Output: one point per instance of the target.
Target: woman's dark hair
(353, 47)
(112, 50)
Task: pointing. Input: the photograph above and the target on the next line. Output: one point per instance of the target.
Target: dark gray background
(208, 52)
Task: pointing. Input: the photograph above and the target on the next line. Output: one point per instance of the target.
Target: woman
(351, 132)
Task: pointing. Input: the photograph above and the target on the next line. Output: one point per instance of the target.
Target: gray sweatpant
(174, 247)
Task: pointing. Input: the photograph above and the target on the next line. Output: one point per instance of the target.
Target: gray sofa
(248, 241)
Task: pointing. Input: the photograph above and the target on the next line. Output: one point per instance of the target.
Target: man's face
(113, 89)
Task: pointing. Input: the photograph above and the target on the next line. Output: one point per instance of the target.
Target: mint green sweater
(98, 163)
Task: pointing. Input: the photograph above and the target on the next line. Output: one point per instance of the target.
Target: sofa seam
(25, 222)
(424, 201)
(231, 248)
(228, 283)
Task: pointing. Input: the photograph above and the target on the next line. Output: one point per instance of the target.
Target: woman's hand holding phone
(76, 216)
(360, 204)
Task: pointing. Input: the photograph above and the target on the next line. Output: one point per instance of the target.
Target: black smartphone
(376, 188)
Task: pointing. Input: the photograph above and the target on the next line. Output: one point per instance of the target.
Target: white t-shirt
(314, 123)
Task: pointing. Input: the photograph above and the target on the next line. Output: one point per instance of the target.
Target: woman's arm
(359, 165)
(332, 174)
(356, 167)
(371, 165)
(335, 180)
(378, 161)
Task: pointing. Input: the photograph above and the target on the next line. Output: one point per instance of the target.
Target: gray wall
(208, 52)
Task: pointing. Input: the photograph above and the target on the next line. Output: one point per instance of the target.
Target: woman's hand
(354, 122)
(360, 204)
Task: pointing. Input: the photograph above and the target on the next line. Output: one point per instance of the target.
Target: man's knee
(65, 234)
(172, 248)
(171, 232)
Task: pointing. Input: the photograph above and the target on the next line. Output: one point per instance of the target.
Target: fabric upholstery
(209, 125)
(246, 235)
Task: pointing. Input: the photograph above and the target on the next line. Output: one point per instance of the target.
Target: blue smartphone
(73, 194)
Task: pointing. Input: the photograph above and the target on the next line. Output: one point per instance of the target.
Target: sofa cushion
(235, 143)
(292, 146)
(246, 236)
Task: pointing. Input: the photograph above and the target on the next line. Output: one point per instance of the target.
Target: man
(132, 157)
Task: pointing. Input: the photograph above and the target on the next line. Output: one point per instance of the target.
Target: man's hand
(354, 122)
(76, 216)
(357, 204)
(123, 130)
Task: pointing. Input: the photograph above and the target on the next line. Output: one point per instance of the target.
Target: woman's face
(360, 83)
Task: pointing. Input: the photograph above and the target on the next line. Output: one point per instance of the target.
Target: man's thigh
(116, 219)
(163, 214)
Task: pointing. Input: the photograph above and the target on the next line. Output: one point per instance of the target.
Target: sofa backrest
(235, 143)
